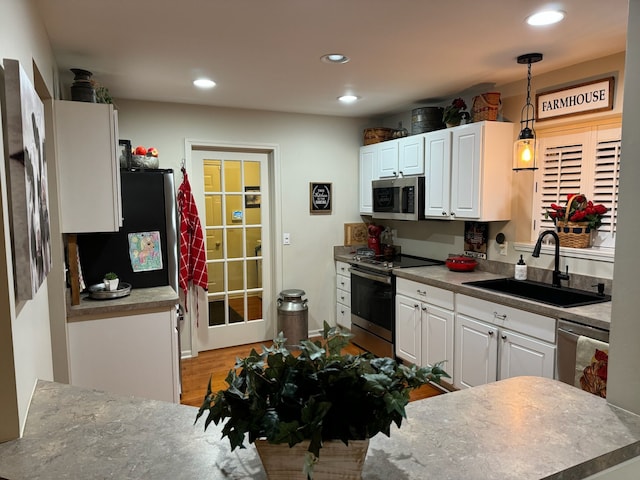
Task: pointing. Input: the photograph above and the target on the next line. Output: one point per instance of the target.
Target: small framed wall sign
(587, 97)
(320, 198)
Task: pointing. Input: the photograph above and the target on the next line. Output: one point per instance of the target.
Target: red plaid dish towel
(193, 257)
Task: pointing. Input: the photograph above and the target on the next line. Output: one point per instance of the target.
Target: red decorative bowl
(461, 264)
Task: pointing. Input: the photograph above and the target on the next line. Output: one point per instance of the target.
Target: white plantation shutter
(587, 162)
(605, 184)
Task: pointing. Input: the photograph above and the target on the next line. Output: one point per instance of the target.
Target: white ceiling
(265, 54)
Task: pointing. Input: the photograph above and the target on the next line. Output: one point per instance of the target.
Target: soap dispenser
(521, 269)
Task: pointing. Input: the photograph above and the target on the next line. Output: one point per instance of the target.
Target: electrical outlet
(286, 239)
(503, 248)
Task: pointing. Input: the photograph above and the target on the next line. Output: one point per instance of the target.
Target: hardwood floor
(215, 364)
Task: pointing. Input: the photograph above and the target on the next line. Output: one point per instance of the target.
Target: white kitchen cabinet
(476, 348)
(408, 323)
(86, 137)
(129, 354)
(401, 157)
(388, 159)
(424, 324)
(495, 342)
(411, 155)
(437, 152)
(368, 169)
(479, 170)
(343, 295)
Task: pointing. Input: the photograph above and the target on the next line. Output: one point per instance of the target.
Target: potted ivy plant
(312, 398)
(111, 281)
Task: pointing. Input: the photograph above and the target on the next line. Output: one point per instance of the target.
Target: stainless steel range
(373, 299)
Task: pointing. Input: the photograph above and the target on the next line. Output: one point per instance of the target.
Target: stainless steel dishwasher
(568, 334)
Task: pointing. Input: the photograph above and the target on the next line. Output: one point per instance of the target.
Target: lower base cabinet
(495, 342)
(424, 324)
(129, 355)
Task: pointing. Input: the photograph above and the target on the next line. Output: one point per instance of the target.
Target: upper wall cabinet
(86, 136)
(401, 157)
(388, 159)
(468, 172)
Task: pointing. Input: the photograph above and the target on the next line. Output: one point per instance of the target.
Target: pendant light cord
(528, 105)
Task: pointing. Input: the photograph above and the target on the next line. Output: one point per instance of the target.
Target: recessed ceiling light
(334, 58)
(348, 98)
(546, 17)
(204, 83)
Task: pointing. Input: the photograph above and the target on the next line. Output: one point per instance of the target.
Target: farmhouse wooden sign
(588, 97)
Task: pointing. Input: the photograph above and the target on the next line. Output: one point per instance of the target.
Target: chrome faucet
(558, 276)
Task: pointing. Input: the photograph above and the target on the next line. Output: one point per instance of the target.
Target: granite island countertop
(523, 427)
(596, 315)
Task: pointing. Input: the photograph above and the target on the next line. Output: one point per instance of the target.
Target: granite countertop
(597, 315)
(524, 427)
(139, 299)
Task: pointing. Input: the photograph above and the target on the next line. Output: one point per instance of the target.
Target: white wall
(22, 38)
(312, 149)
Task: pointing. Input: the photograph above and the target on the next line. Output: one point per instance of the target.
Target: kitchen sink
(541, 292)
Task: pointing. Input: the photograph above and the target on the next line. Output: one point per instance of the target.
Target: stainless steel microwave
(398, 198)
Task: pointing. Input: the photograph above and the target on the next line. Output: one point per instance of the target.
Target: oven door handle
(371, 276)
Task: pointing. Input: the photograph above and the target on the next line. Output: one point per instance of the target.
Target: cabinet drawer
(342, 268)
(343, 283)
(343, 316)
(343, 297)
(426, 293)
(532, 324)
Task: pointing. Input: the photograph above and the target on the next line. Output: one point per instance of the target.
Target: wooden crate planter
(337, 461)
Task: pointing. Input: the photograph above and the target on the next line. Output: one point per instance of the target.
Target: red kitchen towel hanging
(193, 257)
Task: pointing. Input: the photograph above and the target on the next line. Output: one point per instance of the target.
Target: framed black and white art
(24, 147)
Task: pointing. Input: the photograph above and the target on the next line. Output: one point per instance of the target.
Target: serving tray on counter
(99, 291)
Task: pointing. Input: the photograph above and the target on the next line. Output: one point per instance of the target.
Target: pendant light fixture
(524, 151)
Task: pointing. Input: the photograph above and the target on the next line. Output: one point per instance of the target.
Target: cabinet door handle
(504, 337)
(499, 317)
(452, 214)
(444, 213)
(490, 332)
(424, 309)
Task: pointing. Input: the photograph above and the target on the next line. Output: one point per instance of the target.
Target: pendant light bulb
(524, 149)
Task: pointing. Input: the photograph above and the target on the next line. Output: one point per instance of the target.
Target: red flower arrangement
(455, 113)
(580, 210)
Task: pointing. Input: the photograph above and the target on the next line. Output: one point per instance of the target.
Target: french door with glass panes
(235, 220)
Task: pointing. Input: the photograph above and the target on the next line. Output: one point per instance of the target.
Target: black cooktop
(398, 261)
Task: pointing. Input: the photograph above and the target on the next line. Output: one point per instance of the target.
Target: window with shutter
(587, 161)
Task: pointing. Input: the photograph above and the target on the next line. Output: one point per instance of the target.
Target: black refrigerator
(144, 252)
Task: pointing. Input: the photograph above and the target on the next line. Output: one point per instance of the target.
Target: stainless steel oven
(372, 311)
